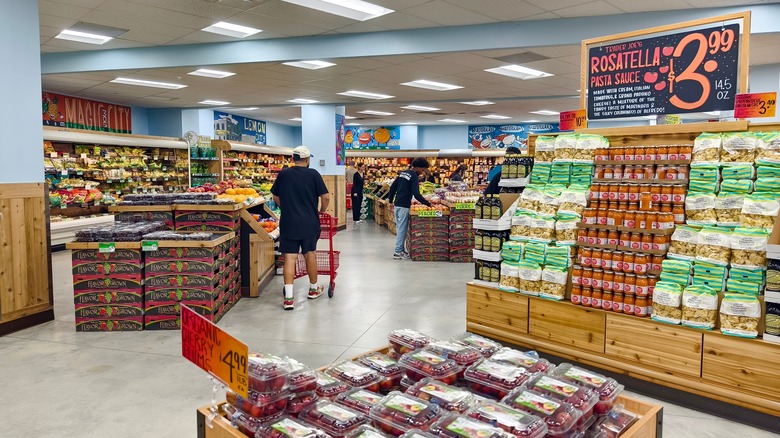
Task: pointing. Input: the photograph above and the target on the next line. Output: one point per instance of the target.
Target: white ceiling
(269, 85)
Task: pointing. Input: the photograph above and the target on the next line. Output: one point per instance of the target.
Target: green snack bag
(737, 171)
(740, 186)
(700, 307)
(738, 147)
(706, 148)
(740, 315)
(743, 287)
(667, 298)
(704, 172)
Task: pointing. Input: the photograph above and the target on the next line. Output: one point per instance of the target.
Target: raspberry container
(301, 401)
(457, 426)
(463, 355)
(495, 379)
(366, 431)
(448, 397)
(267, 373)
(561, 417)
(301, 378)
(485, 346)
(247, 424)
(615, 423)
(398, 413)
(356, 375)
(406, 383)
(607, 388)
(388, 368)
(333, 418)
(329, 387)
(521, 359)
(517, 423)
(392, 354)
(582, 398)
(417, 433)
(259, 405)
(420, 364)
(406, 340)
(286, 427)
(358, 399)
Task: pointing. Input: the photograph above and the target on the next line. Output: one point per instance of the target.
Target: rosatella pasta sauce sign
(691, 71)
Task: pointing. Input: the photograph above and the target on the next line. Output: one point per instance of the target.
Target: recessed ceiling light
(83, 37)
(409, 123)
(231, 30)
(301, 100)
(354, 9)
(431, 85)
(518, 71)
(350, 117)
(366, 95)
(479, 103)
(421, 108)
(143, 83)
(452, 121)
(216, 74)
(296, 119)
(251, 108)
(495, 117)
(213, 102)
(545, 113)
(353, 124)
(376, 113)
(531, 121)
(309, 65)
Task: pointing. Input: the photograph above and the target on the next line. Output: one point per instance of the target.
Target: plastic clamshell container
(258, 404)
(461, 426)
(420, 364)
(448, 397)
(301, 401)
(495, 379)
(359, 399)
(561, 417)
(463, 355)
(247, 424)
(301, 377)
(615, 423)
(517, 423)
(387, 367)
(366, 431)
(407, 383)
(398, 413)
(328, 386)
(333, 418)
(485, 346)
(356, 375)
(289, 427)
(267, 373)
(392, 354)
(521, 359)
(417, 433)
(581, 397)
(607, 388)
(406, 340)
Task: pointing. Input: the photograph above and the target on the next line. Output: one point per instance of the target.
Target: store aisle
(59, 383)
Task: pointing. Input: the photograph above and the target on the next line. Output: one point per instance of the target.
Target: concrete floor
(55, 382)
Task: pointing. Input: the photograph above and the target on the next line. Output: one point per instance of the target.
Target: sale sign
(214, 351)
(753, 105)
(690, 71)
(571, 120)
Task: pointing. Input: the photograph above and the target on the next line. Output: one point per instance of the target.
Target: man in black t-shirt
(296, 191)
(404, 187)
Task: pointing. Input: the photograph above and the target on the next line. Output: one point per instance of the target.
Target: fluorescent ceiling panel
(83, 37)
(531, 121)
(231, 30)
(213, 102)
(545, 113)
(353, 124)
(366, 95)
(144, 83)
(304, 101)
(350, 118)
(207, 73)
(420, 108)
(518, 71)
(409, 123)
(452, 121)
(376, 113)
(431, 85)
(354, 9)
(310, 65)
(479, 103)
(296, 119)
(495, 117)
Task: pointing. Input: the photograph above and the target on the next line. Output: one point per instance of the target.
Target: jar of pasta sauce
(617, 302)
(642, 285)
(587, 296)
(606, 300)
(619, 283)
(628, 303)
(641, 307)
(576, 294)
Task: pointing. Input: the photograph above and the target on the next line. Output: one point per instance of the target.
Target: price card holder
(464, 206)
(149, 245)
(83, 156)
(754, 105)
(571, 120)
(64, 172)
(429, 213)
(53, 155)
(106, 247)
(66, 155)
(214, 351)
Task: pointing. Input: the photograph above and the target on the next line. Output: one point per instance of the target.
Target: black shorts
(294, 246)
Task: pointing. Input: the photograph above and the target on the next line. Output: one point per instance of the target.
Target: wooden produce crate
(143, 213)
(379, 212)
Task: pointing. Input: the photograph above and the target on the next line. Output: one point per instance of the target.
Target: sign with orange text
(571, 120)
(77, 113)
(214, 351)
(753, 105)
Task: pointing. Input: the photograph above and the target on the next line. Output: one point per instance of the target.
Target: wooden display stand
(379, 212)
(262, 263)
(337, 186)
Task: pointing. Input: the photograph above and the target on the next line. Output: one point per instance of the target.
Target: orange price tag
(752, 105)
(571, 120)
(213, 350)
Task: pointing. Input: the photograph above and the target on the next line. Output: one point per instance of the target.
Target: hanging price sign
(464, 206)
(753, 105)
(429, 213)
(571, 120)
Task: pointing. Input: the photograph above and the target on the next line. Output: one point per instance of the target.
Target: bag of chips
(714, 245)
(544, 151)
(700, 209)
(748, 247)
(740, 315)
(684, 241)
(728, 208)
(738, 147)
(759, 210)
(700, 307)
(706, 148)
(667, 298)
(554, 283)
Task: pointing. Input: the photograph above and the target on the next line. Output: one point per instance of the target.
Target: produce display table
(138, 213)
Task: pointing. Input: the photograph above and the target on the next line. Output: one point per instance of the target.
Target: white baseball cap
(302, 151)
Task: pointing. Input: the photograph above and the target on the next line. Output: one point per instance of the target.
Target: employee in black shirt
(357, 191)
(297, 190)
(404, 187)
(493, 188)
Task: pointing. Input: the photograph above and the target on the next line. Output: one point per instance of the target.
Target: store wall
(441, 137)
(165, 122)
(409, 137)
(297, 135)
(140, 120)
(765, 78)
(278, 134)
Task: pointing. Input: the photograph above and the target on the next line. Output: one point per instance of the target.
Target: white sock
(288, 291)
(314, 286)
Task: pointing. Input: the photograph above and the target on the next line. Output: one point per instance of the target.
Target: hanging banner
(366, 137)
(340, 132)
(696, 69)
(571, 120)
(77, 113)
(504, 136)
(754, 105)
(238, 128)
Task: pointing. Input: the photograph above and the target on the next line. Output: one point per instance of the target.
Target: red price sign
(214, 351)
(753, 105)
(571, 120)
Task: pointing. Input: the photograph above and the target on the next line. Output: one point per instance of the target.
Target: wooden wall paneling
(744, 364)
(494, 308)
(567, 324)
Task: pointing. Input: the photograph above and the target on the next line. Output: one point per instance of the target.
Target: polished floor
(55, 382)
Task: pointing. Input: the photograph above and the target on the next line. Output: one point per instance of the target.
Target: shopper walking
(357, 192)
(296, 191)
(495, 174)
(459, 173)
(406, 185)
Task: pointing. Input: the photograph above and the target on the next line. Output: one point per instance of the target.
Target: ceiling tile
(56, 22)
(552, 5)
(503, 10)
(397, 20)
(201, 8)
(297, 15)
(145, 36)
(285, 25)
(588, 9)
(63, 10)
(655, 5)
(556, 51)
(132, 13)
(447, 14)
(474, 61)
(439, 68)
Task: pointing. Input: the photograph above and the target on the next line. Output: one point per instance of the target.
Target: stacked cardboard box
(461, 235)
(429, 238)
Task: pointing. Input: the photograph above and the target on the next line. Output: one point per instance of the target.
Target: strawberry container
(581, 397)
(356, 375)
(358, 399)
(517, 423)
(329, 387)
(259, 405)
(448, 397)
(406, 383)
(398, 413)
(457, 426)
(333, 418)
(406, 340)
(267, 373)
(299, 402)
(420, 364)
(286, 427)
(366, 431)
(607, 388)
(392, 354)
(495, 379)
(485, 346)
(522, 359)
(247, 424)
(561, 417)
(417, 433)
(463, 355)
(301, 378)
(615, 423)
(387, 367)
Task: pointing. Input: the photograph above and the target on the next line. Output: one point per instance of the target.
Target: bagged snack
(544, 151)
(700, 307)
(738, 147)
(521, 225)
(716, 283)
(684, 242)
(560, 174)
(530, 274)
(535, 252)
(543, 228)
(743, 287)
(558, 256)
(740, 186)
(767, 185)
(766, 169)
(510, 276)
(667, 298)
(566, 228)
(768, 147)
(553, 284)
(706, 148)
(759, 210)
(748, 247)
(587, 145)
(573, 201)
(700, 209)
(728, 208)
(548, 204)
(704, 172)
(565, 147)
(714, 245)
(731, 171)
(512, 251)
(529, 200)
(703, 186)
(740, 315)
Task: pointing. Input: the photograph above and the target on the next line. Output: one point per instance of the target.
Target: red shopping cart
(327, 260)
